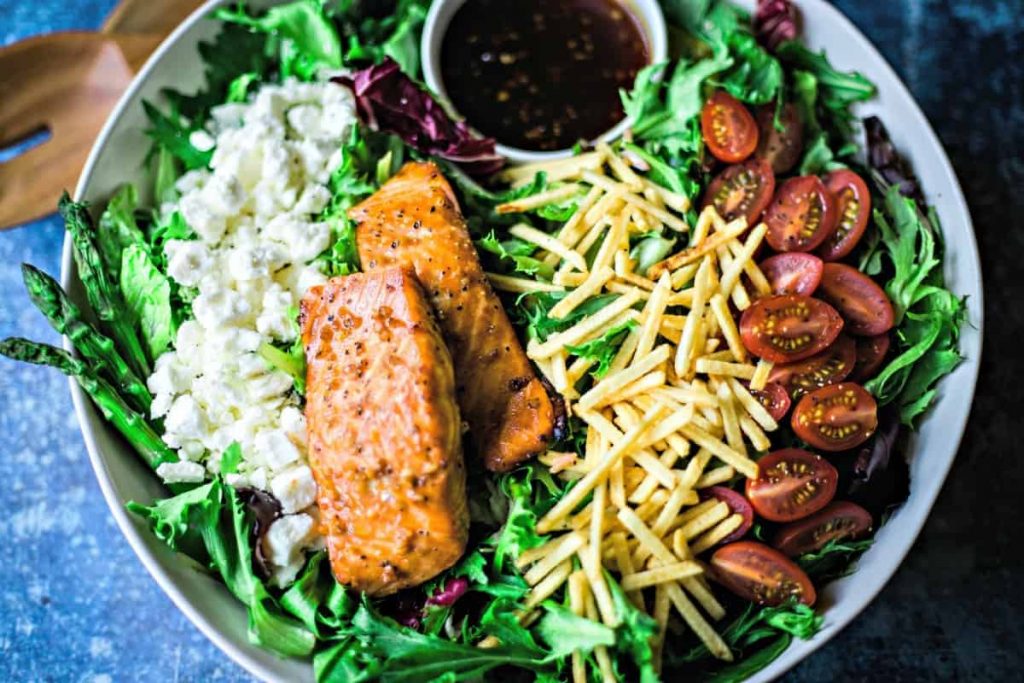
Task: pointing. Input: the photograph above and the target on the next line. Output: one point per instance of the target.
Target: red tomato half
(831, 366)
(853, 207)
(836, 418)
(742, 191)
(738, 505)
(761, 574)
(801, 216)
(788, 328)
(862, 303)
(780, 148)
(774, 398)
(729, 130)
(793, 273)
(792, 484)
(840, 519)
(871, 353)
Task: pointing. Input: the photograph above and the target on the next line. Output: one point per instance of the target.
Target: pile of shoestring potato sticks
(673, 414)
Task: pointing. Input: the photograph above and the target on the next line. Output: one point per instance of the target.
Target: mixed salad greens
(431, 633)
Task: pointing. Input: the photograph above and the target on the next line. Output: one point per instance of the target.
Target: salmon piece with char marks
(384, 432)
(414, 220)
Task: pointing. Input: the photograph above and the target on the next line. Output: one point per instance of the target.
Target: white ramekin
(652, 21)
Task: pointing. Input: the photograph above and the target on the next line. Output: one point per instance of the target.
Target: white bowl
(118, 155)
(652, 21)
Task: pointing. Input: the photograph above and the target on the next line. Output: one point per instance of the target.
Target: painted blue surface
(76, 605)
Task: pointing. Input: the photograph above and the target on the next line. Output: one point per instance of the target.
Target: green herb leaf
(834, 560)
(565, 633)
(147, 293)
(117, 229)
(231, 458)
(603, 348)
(171, 133)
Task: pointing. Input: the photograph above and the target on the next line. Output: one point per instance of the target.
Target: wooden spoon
(67, 83)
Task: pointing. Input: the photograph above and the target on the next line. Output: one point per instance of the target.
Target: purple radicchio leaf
(775, 21)
(883, 157)
(388, 100)
(264, 508)
(881, 475)
(452, 591)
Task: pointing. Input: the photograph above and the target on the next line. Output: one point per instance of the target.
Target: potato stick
(624, 565)
(739, 297)
(645, 459)
(643, 385)
(619, 168)
(549, 244)
(617, 484)
(639, 221)
(742, 463)
(598, 586)
(577, 585)
(647, 486)
(693, 318)
(621, 263)
(662, 604)
(753, 407)
(662, 215)
(649, 509)
(714, 536)
(578, 368)
(540, 199)
(551, 583)
(695, 468)
(719, 475)
(670, 425)
(519, 285)
(701, 523)
(612, 382)
(730, 420)
(758, 439)
(569, 279)
(637, 280)
(531, 555)
(608, 205)
(597, 525)
(728, 327)
(651, 316)
(653, 196)
(686, 396)
(705, 221)
(662, 574)
(682, 276)
(575, 228)
(626, 288)
(699, 590)
(578, 492)
(761, 374)
(605, 256)
(591, 286)
(697, 623)
(700, 249)
(559, 378)
(544, 365)
(586, 327)
(677, 202)
(589, 240)
(731, 275)
(761, 285)
(710, 421)
(566, 549)
(680, 546)
(679, 445)
(555, 170)
(604, 662)
(648, 541)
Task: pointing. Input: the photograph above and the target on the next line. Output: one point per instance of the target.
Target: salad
(733, 318)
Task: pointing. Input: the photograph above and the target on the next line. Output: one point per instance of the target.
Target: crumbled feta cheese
(287, 537)
(295, 488)
(254, 213)
(181, 473)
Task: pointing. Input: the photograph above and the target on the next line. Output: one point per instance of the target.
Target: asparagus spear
(104, 296)
(94, 346)
(131, 424)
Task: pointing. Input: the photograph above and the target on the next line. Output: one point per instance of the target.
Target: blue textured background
(76, 605)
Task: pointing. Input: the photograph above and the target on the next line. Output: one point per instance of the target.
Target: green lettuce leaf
(117, 229)
(603, 348)
(147, 293)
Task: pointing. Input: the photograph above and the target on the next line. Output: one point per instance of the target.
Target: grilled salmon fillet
(384, 431)
(414, 220)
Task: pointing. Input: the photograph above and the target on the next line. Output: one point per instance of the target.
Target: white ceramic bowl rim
(648, 12)
(937, 440)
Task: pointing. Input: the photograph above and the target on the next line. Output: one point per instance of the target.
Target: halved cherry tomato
(831, 366)
(791, 484)
(780, 148)
(853, 207)
(738, 505)
(801, 216)
(836, 418)
(840, 519)
(783, 329)
(862, 303)
(761, 574)
(742, 191)
(793, 273)
(871, 353)
(774, 398)
(729, 130)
